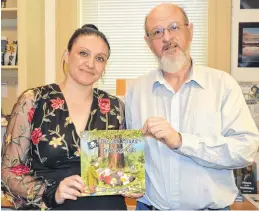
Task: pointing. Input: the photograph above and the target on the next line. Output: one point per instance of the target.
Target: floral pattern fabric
(42, 146)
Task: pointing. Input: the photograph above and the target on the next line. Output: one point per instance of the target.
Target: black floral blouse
(42, 147)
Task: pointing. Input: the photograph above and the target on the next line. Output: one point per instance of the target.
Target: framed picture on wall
(249, 4)
(248, 44)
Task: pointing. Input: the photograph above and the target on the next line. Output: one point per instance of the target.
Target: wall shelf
(6, 67)
(9, 13)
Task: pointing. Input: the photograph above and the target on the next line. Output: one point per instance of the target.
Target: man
(197, 125)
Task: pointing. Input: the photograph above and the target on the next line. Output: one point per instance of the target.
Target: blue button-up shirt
(218, 135)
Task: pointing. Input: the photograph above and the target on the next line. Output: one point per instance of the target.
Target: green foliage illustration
(112, 162)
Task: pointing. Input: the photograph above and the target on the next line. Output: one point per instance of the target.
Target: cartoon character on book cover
(112, 162)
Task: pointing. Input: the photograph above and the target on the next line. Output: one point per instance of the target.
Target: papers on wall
(251, 93)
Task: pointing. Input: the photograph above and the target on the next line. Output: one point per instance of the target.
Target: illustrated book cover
(112, 162)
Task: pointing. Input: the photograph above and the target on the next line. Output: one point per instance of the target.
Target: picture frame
(249, 4)
(248, 44)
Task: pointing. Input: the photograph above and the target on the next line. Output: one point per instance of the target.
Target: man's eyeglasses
(158, 32)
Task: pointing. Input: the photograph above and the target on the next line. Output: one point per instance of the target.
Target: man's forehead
(160, 15)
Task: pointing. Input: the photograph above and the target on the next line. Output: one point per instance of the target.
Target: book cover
(10, 54)
(3, 48)
(112, 162)
(245, 179)
(249, 182)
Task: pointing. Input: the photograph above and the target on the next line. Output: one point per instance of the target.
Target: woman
(41, 153)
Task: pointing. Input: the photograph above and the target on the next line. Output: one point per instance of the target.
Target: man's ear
(147, 41)
(190, 29)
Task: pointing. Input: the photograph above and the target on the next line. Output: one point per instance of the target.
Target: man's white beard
(172, 64)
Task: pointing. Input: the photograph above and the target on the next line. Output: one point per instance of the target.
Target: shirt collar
(198, 76)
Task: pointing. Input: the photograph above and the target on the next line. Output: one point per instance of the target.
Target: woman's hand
(69, 188)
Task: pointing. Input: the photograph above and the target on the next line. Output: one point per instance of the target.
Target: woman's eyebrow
(103, 54)
(85, 48)
(91, 51)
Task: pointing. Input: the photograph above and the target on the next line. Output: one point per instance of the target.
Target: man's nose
(167, 36)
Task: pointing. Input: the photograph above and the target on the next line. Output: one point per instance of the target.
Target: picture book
(246, 179)
(112, 162)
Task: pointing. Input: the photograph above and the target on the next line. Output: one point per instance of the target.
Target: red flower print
(36, 135)
(20, 170)
(104, 104)
(30, 114)
(57, 103)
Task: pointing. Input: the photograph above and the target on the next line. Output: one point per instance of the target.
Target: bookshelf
(24, 21)
(9, 74)
(9, 13)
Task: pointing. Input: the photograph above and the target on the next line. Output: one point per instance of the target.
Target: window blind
(122, 21)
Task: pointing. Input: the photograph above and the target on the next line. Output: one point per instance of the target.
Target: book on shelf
(9, 52)
(10, 55)
(112, 162)
(239, 198)
(3, 48)
(3, 3)
(246, 180)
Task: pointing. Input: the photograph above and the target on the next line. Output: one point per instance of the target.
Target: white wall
(244, 15)
(50, 41)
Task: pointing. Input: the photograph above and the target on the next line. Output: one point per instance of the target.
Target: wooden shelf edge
(6, 67)
(9, 9)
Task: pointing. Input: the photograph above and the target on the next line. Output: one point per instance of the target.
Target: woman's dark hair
(87, 29)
